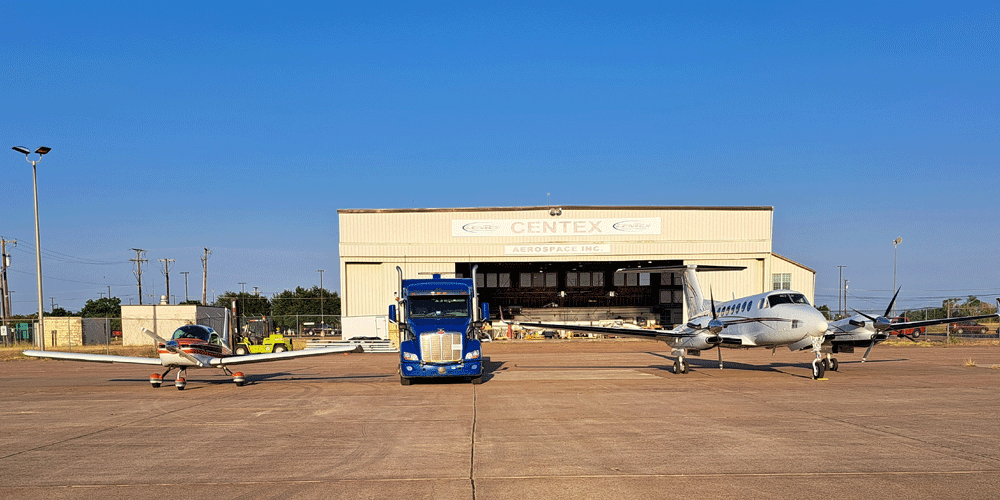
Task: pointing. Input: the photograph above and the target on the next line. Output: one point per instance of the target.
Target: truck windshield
(439, 306)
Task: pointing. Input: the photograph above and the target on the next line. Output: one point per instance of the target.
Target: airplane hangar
(558, 263)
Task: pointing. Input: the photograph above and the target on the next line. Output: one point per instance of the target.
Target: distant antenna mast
(204, 277)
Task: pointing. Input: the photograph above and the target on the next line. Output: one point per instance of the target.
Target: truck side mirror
(486, 312)
(392, 312)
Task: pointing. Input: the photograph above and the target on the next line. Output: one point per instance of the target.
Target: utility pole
(204, 277)
(185, 273)
(166, 272)
(4, 287)
(139, 261)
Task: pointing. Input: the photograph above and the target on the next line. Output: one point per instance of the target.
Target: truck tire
(404, 381)
(279, 348)
(241, 350)
(477, 380)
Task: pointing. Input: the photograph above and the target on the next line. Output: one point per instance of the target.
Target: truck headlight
(409, 356)
(472, 354)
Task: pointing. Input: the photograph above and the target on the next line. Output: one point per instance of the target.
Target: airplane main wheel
(239, 379)
(155, 380)
(677, 366)
(684, 367)
(819, 369)
(180, 383)
(834, 364)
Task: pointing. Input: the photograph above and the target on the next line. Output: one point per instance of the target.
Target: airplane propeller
(882, 323)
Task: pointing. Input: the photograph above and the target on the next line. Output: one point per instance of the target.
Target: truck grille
(441, 347)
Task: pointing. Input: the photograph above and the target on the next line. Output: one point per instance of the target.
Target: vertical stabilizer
(693, 295)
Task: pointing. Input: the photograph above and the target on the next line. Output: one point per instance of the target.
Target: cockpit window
(786, 298)
(193, 332)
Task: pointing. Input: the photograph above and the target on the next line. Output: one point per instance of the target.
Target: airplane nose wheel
(181, 383)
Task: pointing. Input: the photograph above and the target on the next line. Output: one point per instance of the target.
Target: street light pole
(895, 243)
(321, 321)
(840, 294)
(41, 151)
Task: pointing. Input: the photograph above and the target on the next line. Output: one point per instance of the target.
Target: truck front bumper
(416, 369)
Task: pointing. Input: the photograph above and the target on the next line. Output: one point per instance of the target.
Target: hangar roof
(541, 207)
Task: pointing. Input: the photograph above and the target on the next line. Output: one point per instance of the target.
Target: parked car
(908, 332)
(968, 327)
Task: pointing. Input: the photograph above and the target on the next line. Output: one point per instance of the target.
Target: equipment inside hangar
(559, 263)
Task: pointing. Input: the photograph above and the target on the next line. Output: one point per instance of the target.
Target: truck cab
(440, 323)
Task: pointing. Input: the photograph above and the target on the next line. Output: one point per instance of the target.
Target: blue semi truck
(440, 322)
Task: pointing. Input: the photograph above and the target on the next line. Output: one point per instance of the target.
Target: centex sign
(557, 227)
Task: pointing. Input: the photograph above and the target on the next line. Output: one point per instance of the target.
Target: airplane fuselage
(200, 350)
(779, 317)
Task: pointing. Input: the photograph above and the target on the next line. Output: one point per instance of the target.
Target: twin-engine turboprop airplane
(770, 319)
(191, 346)
(862, 330)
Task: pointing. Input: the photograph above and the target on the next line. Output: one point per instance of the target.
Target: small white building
(558, 263)
(163, 319)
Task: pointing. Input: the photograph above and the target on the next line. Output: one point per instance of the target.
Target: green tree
(247, 304)
(60, 312)
(104, 307)
(305, 305)
(825, 310)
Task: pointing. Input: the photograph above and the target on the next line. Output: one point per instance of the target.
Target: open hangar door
(579, 291)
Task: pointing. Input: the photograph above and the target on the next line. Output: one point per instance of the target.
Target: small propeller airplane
(769, 319)
(191, 346)
(862, 330)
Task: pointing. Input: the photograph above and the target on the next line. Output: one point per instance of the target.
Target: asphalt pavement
(553, 419)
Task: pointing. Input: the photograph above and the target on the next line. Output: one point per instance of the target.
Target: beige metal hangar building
(558, 263)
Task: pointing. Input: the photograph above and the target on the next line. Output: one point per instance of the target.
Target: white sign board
(555, 227)
(553, 249)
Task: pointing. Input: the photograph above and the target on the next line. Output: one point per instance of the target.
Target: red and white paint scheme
(191, 346)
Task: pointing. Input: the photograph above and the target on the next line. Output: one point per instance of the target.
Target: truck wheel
(404, 381)
(477, 380)
(280, 348)
(240, 350)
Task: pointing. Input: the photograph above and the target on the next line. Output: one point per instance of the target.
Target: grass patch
(970, 363)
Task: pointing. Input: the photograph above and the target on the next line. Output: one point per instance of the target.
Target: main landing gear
(180, 382)
(680, 364)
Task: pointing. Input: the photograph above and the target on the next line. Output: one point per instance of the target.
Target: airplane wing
(276, 356)
(93, 358)
(609, 330)
(929, 322)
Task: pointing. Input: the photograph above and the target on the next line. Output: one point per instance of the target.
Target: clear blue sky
(244, 126)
